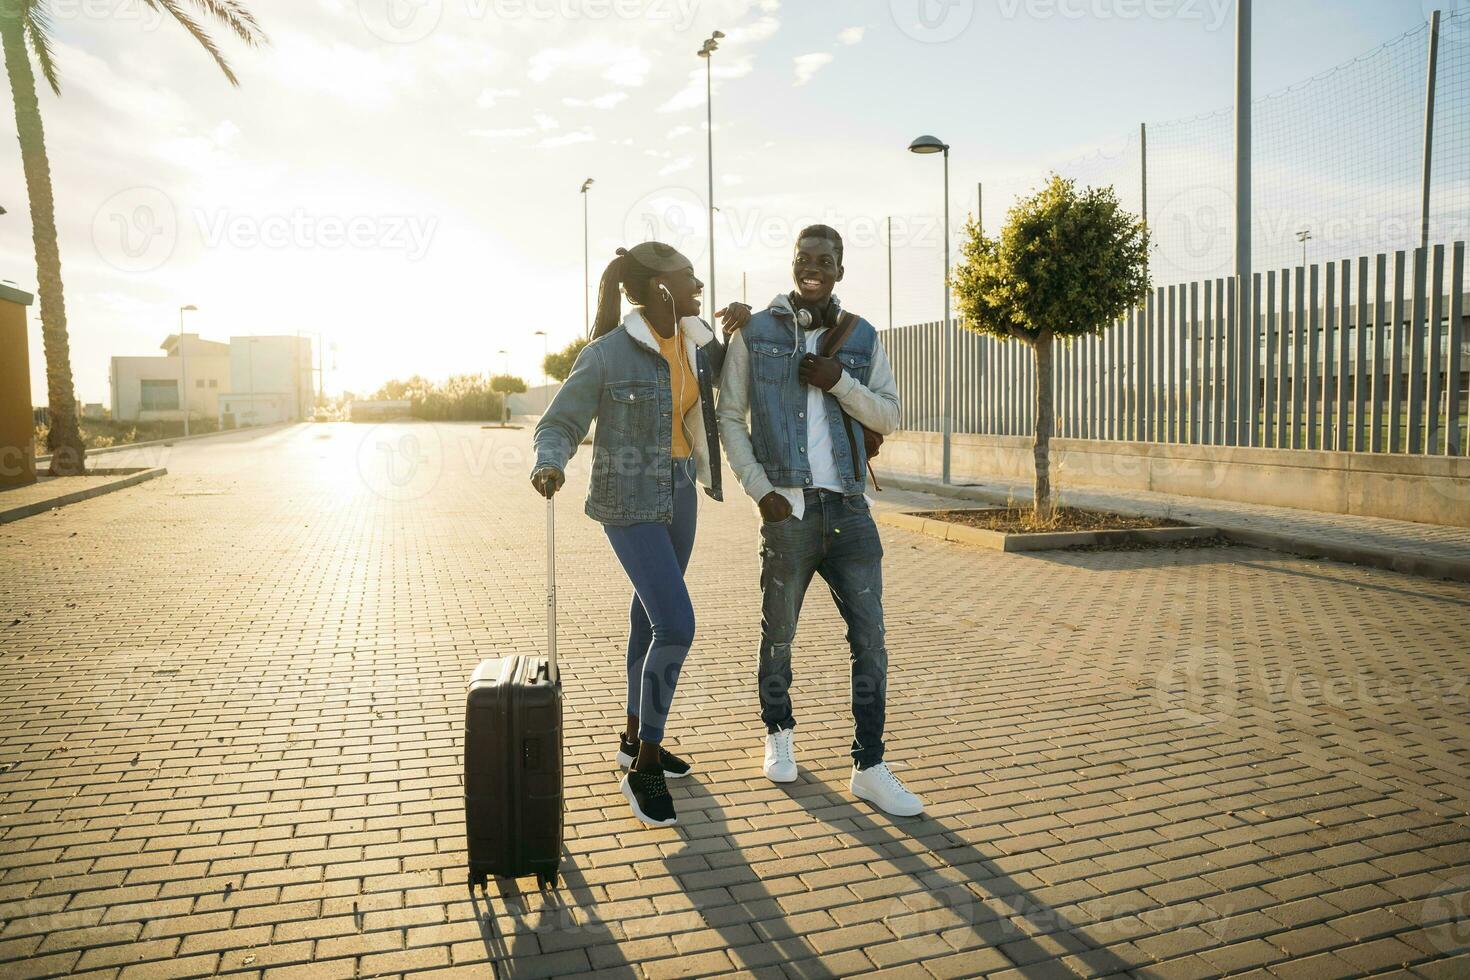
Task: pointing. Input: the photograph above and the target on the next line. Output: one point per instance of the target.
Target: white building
(270, 381)
(249, 381)
(148, 389)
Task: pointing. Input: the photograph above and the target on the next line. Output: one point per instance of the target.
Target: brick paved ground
(231, 719)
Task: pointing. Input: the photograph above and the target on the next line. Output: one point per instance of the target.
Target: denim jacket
(760, 379)
(623, 381)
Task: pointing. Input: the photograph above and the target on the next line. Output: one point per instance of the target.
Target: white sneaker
(880, 787)
(781, 756)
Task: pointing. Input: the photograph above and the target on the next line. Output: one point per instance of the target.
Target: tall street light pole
(932, 144)
(184, 362)
(706, 51)
(586, 267)
(1304, 236)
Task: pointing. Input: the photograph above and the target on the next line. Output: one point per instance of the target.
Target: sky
(401, 177)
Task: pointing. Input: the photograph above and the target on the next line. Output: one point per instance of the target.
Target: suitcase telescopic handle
(553, 672)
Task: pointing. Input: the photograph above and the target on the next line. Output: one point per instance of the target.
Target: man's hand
(822, 372)
(733, 317)
(547, 480)
(774, 507)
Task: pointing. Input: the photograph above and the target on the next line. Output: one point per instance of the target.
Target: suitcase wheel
(547, 879)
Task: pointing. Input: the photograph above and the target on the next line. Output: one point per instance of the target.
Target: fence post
(1429, 126)
(1252, 341)
(1314, 323)
(1217, 382)
(1396, 356)
(1192, 381)
(1268, 388)
(1417, 315)
(1436, 362)
(1360, 356)
(1344, 303)
(1380, 371)
(1329, 328)
(1453, 444)
(1231, 355)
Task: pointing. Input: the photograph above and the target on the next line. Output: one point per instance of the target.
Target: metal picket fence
(1365, 355)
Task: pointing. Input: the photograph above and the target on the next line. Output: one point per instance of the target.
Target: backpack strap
(831, 344)
(837, 336)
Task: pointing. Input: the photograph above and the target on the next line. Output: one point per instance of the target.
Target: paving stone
(1145, 778)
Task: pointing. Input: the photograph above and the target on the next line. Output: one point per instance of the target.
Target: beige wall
(17, 428)
(128, 373)
(1429, 489)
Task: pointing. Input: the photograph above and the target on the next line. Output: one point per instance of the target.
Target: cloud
(502, 135)
(490, 96)
(683, 163)
(358, 78)
(600, 102)
(692, 94)
(678, 131)
(544, 121)
(761, 30)
(620, 64)
(851, 35)
(583, 135)
(808, 65)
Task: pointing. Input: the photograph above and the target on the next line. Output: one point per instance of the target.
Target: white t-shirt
(819, 455)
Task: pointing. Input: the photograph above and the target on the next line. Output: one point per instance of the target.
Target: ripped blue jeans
(836, 539)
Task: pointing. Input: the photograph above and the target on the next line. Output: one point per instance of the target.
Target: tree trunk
(68, 456)
(1043, 422)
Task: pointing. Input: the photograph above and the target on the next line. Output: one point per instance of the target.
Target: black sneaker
(648, 795)
(674, 767)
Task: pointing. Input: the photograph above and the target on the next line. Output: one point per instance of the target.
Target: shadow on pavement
(959, 894)
(512, 912)
(779, 945)
(1131, 559)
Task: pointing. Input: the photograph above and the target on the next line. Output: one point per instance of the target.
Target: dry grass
(1022, 520)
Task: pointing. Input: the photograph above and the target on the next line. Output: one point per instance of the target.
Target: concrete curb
(1054, 541)
(124, 447)
(125, 478)
(1394, 560)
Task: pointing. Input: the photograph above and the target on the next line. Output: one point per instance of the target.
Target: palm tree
(26, 23)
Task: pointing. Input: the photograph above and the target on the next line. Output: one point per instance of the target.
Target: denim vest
(623, 381)
(778, 400)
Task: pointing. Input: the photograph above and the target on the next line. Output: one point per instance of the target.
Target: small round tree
(1067, 264)
(558, 364)
(506, 385)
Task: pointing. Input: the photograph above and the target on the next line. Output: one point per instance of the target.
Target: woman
(648, 378)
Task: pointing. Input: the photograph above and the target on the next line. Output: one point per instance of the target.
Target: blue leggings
(661, 618)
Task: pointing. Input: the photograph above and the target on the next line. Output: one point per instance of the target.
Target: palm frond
(232, 12)
(237, 17)
(36, 22)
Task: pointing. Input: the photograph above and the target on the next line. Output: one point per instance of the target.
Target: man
(802, 460)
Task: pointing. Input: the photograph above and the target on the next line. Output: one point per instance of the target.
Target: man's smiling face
(816, 269)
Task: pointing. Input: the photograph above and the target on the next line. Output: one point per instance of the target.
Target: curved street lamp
(933, 144)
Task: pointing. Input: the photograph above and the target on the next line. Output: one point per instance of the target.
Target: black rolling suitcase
(512, 756)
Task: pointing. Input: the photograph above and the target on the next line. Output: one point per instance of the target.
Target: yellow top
(683, 384)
